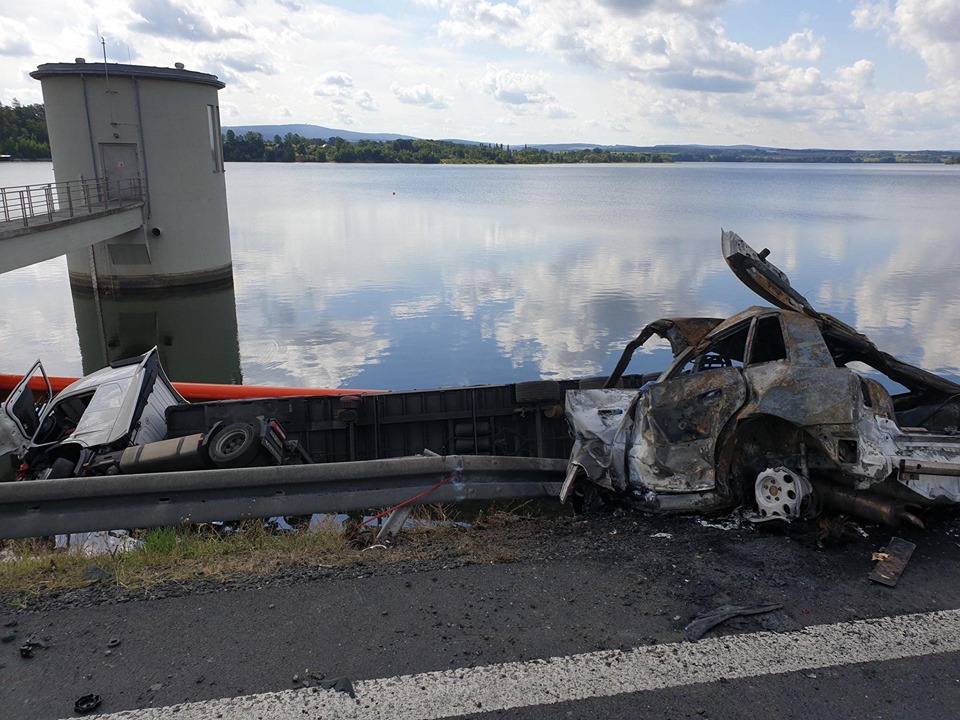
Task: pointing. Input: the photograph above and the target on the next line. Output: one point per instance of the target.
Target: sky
(861, 74)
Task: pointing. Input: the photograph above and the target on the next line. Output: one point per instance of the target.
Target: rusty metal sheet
(891, 567)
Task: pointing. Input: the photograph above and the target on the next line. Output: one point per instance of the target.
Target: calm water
(399, 277)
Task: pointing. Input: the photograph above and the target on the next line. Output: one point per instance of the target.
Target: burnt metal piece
(26, 650)
(113, 642)
(890, 568)
(87, 703)
(704, 621)
(340, 684)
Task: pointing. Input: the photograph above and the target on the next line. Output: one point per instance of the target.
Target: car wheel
(234, 446)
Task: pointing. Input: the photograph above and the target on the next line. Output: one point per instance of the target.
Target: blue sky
(823, 73)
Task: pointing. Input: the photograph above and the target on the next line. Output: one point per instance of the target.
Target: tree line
(251, 147)
(23, 131)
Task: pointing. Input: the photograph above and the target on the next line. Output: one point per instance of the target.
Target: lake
(410, 276)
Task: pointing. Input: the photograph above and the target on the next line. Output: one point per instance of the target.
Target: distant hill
(315, 132)
(677, 153)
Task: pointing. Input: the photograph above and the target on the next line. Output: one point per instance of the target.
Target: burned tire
(234, 446)
(538, 391)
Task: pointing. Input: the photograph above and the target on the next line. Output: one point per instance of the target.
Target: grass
(188, 553)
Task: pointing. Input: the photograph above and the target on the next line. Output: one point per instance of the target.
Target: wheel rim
(231, 443)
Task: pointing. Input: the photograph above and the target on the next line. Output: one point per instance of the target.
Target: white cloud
(801, 46)
(515, 88)
(421, 94)
(558, 112)
(179, 19)
(365, 101)
(14, 38)
(929, 27)
(334, 84)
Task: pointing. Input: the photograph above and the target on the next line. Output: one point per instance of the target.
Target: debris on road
(340, 684)
(87, 703)
(704, 621)
(892, 561)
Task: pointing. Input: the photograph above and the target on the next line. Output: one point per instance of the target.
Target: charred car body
(762, 408)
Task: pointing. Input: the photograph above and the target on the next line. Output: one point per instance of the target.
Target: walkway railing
(36, 204)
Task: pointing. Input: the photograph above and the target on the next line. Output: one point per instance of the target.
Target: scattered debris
(704, 621)
(892, 561)
(340, 684)
(734, 522)
(87, 703)
(662, 535)
(113, 642)
(26, 650)
(104, 542)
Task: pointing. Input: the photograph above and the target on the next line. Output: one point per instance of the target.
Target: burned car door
(763, 277)
(680, 418)
(20, 416)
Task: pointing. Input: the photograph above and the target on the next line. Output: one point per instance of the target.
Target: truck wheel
(61, 468)
(537, 391)
(234, 446)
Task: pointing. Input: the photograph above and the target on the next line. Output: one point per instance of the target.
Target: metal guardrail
(36, 204)
(48, 507)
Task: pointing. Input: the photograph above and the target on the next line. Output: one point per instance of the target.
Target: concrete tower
(161, 125)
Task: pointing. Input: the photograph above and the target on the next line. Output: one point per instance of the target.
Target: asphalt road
(608, 597)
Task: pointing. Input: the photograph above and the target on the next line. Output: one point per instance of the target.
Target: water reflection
(410, 277)
(195, 332)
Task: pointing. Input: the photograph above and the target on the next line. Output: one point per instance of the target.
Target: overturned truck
(763, 409)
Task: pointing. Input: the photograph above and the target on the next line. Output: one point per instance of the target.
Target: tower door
(121, 169)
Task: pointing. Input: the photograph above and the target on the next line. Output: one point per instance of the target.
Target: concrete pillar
(161, 125)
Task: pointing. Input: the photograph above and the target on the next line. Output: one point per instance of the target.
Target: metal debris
(340, 684)
(87, 703)
(893, 562)
(703, 622)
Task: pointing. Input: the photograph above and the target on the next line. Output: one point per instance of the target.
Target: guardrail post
(23, 209)
(6, 207)
(33, 213)
(49, 198)
(86, 195)
(69, 198)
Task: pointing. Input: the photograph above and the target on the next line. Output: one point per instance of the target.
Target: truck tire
(537, 391)
(235, 446)
(61, 468)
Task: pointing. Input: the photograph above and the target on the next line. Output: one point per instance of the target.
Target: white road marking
(453, 693)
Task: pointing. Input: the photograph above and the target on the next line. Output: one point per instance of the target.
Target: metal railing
(36, 204)
(48, 507)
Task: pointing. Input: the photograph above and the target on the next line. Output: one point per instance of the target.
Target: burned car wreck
(763, 410)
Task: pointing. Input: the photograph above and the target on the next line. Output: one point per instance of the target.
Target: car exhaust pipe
(865, 506)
